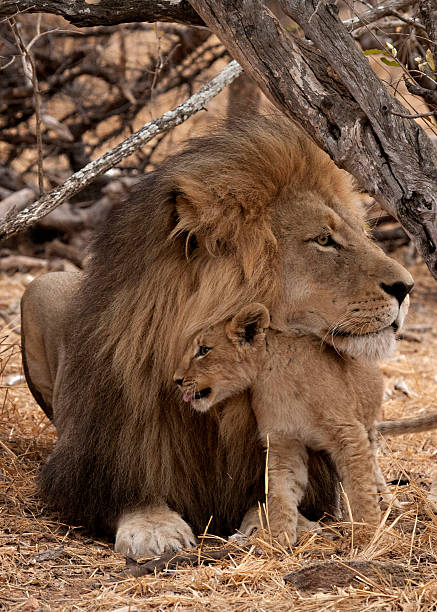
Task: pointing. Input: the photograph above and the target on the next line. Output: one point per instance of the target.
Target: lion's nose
(399, 290)
(178, 381)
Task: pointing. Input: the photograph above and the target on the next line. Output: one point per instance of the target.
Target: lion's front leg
(152, 530)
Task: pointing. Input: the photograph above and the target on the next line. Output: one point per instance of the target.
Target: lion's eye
(202, 351)
(326, 240)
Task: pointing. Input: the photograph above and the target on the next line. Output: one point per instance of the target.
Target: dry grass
(47, 565)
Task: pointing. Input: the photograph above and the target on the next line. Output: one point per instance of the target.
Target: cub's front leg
(386, 498)
(287, 481)
(252, 522)
(152, 530)
(355, 459)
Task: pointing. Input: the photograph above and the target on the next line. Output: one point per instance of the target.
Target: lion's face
(277, 222)
(338, 285)
(224, 359)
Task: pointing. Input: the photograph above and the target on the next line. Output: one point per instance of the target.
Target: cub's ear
(248, 324)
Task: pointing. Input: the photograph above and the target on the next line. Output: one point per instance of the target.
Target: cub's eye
(202, 351)
(326, 240)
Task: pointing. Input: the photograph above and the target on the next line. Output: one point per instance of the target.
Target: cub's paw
(250, 522)
(304, 525)
(284, 532)
(149, 532)
(388, 500)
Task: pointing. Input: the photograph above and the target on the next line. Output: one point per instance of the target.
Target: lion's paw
(151, 532)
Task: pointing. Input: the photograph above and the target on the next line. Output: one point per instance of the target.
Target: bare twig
(16, 201)
(416, 116)
(429, 96)
(96, 168)
(30, 72)
(409, 20)
(376, 13)
(9, 63)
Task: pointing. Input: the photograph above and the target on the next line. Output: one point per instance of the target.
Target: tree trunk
(329, 88)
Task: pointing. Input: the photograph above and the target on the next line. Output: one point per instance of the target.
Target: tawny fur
(44, 308)
(223, 223)
(335, 412)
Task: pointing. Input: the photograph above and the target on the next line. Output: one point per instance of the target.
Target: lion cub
(304, 394)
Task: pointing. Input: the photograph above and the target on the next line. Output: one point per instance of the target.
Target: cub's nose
(399, 290)
(178, 381)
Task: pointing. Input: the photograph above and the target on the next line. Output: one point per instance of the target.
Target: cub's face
(223, 360)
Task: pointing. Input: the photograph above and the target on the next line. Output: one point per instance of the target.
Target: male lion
(254, 212)
(337, 413)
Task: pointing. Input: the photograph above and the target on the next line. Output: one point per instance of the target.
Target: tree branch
(376, 13)
(112, 12)
(106, 12)
(333, 93)
(79, 180)
(416, 115)
(429, 96)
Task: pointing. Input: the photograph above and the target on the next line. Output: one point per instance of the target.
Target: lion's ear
(183, 210)
(183, 222)
(248, 324)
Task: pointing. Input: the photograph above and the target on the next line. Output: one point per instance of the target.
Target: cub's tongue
(188, 396)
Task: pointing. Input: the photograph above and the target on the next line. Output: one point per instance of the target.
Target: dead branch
(16, 201)
(30, 72)
(112, 12)
(429, 96)
(106, 12)
(21, 263)
(83, 177)
(374, 14)
(113, 102)
(329, 88)
(416, 115)
(392, 233)
(59, 249)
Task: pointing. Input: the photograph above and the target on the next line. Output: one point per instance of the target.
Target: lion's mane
(193, 243)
